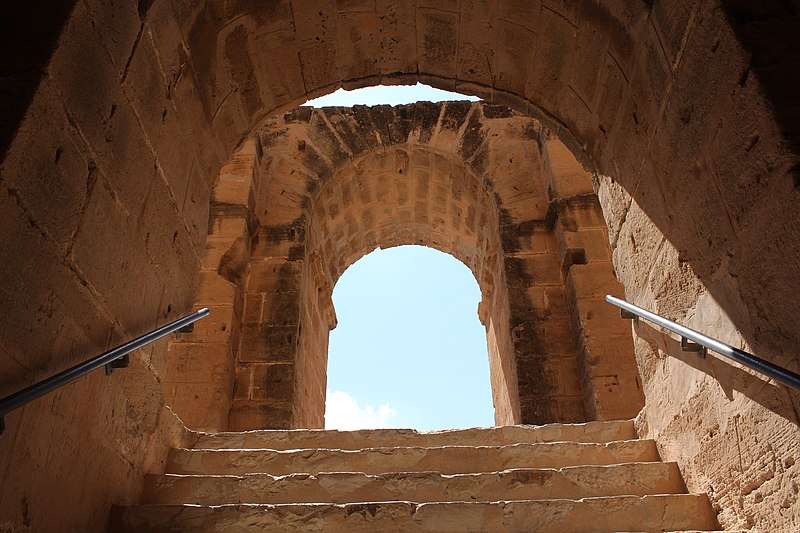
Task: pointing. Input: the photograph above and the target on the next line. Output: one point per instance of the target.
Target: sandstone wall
(478, 181)
(734, 433)
(127, 113)
(101, 235)
(707, 236)
(201, 371)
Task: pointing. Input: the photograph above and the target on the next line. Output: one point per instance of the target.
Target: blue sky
(392, 95)
(409, 350)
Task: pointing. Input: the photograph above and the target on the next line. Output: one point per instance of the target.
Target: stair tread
(594, 477)
(444, 459)
(341, 487)
(602, 431)
(616, 513)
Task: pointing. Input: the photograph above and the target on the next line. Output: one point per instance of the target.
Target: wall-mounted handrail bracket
(122, 362)
(624, 313)
(116, 358)
(689, 346)
(694, 341)
(188, 328)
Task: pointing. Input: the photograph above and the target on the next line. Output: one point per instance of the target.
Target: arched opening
(408, 346)
(409, 194)
(480, 182)
(388, 95)
(657, 94)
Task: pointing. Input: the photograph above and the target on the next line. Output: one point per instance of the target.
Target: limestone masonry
(578, 478)
(154, 159)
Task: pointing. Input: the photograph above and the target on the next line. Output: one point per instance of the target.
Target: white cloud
(343, 412)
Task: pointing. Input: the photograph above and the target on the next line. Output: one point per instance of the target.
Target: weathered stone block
(216, 290)
(614, 397)
(58, 321)
(148, 91)
(475, 25)
(249, 415)
(517, 45)
(203, 406)
(274, 276)
(53, 189)
(437, 38)
(591, 281)
(127, 285)
(107, 121)
(215, 328)
(268, 343)
(118, 25)
(199, 363)
(603, 354)
(273, 382)
(253, 308)
(598, 318)
(528, 269)
(281, 308)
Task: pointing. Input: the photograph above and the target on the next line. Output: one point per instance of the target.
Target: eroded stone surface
(590, 515)
(373, 438)
(517, 484)
(605, 487)
(446, 459)
(688, 105)
(708, 415)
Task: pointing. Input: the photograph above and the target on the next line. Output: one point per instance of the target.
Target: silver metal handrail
(110, 359)
(695, 341)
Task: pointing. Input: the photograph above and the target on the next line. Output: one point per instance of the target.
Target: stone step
(590, 515)
(578, 482)
(387, 438)
(445, 459)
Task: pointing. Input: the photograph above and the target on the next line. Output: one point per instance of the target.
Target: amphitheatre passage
(156, 159)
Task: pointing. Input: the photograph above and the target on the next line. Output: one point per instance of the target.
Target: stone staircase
(594, 477)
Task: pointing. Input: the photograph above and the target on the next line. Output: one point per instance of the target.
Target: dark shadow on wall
(733, 222)
(779, 399)
(28, 34)
(770, 31)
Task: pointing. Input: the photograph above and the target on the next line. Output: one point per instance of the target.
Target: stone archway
(477, 181)
(621, 85)
(405, 195)
(135, 108)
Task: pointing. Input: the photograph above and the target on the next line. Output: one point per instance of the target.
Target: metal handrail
(107, 359)
(700, 343)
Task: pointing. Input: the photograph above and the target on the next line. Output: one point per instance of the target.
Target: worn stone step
(386, 438)
(341, 487)
(445, 460)
(590, 515)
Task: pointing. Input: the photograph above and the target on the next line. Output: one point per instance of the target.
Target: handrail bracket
(188, 328)
(624, 313)
(689, 346)
(117, 358)
(122, 362)
(694, 341)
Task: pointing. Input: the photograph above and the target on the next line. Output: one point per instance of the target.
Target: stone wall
(123, 115)
(199, 381)
(707, 235)
(101, 238)
(734, 433)
(477, 181)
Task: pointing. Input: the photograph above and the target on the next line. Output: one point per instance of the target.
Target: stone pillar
(267, 352)
(198, 384)
(549, 389)
(608, 372)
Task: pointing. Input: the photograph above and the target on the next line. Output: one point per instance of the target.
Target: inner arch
(405, 195)
(409, 346)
